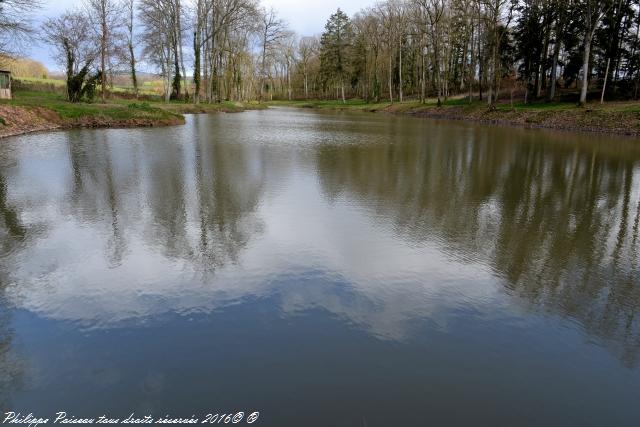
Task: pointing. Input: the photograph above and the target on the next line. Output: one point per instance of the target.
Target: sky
(305, 17)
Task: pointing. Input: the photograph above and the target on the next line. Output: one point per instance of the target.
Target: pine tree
(335, 49)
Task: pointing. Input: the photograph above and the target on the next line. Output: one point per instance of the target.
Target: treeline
(483, 49)
(215, 50)
(24, 67)
(208, 50)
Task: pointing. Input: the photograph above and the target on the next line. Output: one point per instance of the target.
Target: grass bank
(614, 117)
(39, 111)
(179, 107)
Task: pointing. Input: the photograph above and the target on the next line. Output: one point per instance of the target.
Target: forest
(208, 51)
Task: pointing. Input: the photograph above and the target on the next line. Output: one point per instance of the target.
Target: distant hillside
(24, 67)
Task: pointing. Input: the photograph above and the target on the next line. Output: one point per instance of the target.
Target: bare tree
(272, 31)
(75, 49)
(201, 8)
(434, 11)
(107, 19)
(396, 11)
(179, 53)
(15, 25)
(419, 48)
(493, 13)
(161, 40)
(156, 41)
(560, 22)
(288, 54)
(307, 48)
(593, 11)
(130, 9)
(221, 38)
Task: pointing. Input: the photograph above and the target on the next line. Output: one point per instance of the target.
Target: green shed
(5, 84)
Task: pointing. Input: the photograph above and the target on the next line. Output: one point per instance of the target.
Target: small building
(5, 84)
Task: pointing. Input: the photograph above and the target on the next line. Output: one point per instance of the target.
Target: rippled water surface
(325, 269)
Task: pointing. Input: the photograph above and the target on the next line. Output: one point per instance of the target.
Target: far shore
(616, 118)
(36, 111)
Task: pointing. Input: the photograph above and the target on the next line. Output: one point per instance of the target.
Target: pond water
(324, 269)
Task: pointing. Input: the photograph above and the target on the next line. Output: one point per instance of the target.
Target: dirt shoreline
(21, 120)
(611, 119)
(18, 120)
(571, 121)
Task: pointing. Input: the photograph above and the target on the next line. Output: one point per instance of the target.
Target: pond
(322, 269)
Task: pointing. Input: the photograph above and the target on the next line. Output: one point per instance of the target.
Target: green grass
(359, 104)
(226, 106)
(616, 117)
(77, 112)
(350, 104)
(54, 82)
(460, 101)
(120, 111)
(146, 89)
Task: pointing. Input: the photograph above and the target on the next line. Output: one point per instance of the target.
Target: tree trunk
(263, 67)
(176, 66)
(588, 35)
(604, 85)
(390, 78)
(289, 82)
(400, 71)
(472, 65)
(132, 63)
(492, 73)
(480, 70)
(196, 65)
(554, 67)
(179, 34)
(436, 53)
(103, 50)
(306, 82)
(423, 83)
(132, 56)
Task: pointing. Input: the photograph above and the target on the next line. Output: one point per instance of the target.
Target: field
(147, 87)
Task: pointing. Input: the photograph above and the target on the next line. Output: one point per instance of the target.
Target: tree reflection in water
(145, 222)
(12, 234)
(559, 222)
(193, 203)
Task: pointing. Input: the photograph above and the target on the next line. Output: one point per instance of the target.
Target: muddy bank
(206, 108)
(578, 120)
(621, 118)
(17, 120)
(99, 122)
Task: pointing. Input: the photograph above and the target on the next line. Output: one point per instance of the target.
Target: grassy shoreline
(204, 108)
(43, 111)
(612, 118)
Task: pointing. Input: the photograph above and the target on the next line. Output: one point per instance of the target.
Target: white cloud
(308, 17)
(306, 253)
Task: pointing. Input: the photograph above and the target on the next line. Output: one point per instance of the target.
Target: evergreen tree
(335, 47)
